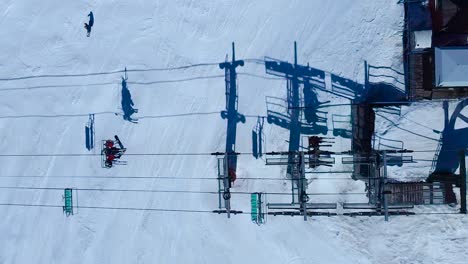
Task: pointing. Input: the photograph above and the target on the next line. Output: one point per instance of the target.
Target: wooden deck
(417, 193)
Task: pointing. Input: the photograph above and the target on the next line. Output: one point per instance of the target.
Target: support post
(226, 192)
(295, 53)
(261, 214)
(463, 182)
(446, 114)
(295, 126)
(219, 182)
(303, 198)
(366, 78)
(383, 183)
(260, 138)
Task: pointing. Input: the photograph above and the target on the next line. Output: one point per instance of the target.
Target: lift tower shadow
(296, 74)
(231, 114)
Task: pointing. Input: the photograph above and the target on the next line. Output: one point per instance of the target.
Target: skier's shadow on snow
(127, 102)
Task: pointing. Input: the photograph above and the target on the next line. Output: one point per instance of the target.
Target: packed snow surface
(49, 84)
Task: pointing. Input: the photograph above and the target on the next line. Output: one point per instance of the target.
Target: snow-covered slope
(41, 114)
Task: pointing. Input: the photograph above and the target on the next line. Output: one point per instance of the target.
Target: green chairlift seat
(257, 213)
(68, 199)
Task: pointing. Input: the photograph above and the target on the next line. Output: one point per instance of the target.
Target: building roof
(451, 67)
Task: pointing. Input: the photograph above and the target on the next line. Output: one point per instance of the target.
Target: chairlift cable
(163, 191)
(114, 208)
(194, 178)
(174, 210)
(183, 67)
(187, 154)
(191, 192)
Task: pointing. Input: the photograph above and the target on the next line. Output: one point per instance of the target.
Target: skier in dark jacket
(90, 24)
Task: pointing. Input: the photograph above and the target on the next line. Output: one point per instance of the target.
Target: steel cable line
(117, 113)
(55, 86)
(183, 67)
(257, 61)
(163, 191)
(166, 178)
(260, 76)
(107, 73)
(419, 124)
(179, 80)
(404, 129)
(117, 177)
(117, 208)
(87, 85)
(192, 192)
(181, 210)
(98, 154)
(345, 153)
(439, 213)
(108, 113)
(113, 83)
(377, 103)
(139, 83)
(432, 151)
(59, 115)
(177, 115)
(201, 178)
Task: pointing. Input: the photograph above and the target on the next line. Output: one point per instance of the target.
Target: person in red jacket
(111, 153)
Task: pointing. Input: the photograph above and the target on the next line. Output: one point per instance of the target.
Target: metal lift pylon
(224, 193)
(300, 200)
(228, 164)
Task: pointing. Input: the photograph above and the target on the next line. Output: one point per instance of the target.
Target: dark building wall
(421, 72)
(449, 22)
(363, 119)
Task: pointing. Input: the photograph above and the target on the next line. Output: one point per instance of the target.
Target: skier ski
(90, 24)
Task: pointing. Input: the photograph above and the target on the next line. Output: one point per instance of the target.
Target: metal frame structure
(299, 199)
